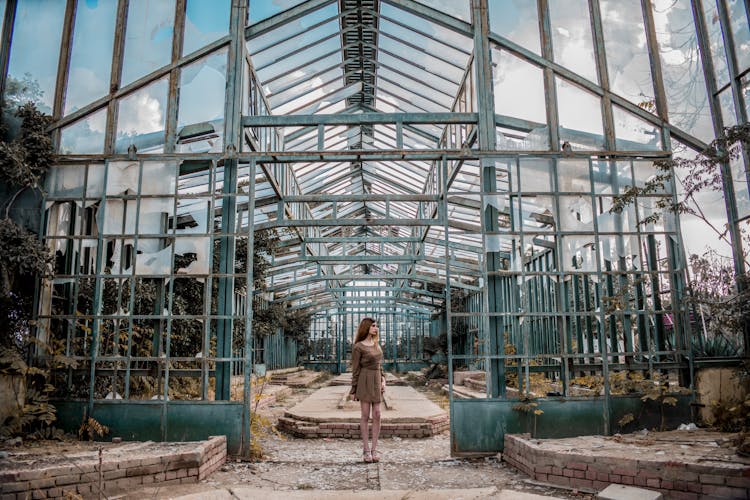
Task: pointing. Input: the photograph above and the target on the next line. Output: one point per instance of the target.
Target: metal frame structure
(448, 167)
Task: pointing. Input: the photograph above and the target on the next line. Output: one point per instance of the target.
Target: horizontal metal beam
(347, 222)
(357, 119)
(322, 198)
(365, 239)
(360, 259)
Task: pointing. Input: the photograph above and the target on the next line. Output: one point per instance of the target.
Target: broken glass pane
(576, 213)
(571, 36)
(628, 63)
(633, 133)
(573, 175)
(578, 253)
(200, 119)
(681, 67)
(741, 32)
(85, 136)
(580, 117)
(519, 101)
(141, 117)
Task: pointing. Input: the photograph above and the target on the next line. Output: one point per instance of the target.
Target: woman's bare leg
(375, 425)
(363, 423)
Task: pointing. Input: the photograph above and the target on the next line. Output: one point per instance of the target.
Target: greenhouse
(236, 184)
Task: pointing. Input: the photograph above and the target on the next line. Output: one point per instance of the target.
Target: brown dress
(367, 373)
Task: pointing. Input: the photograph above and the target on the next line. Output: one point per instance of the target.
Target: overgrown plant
(37, 417)
(623, 382)
(715, 291)
(260, 425)
(25, 157)
(26, 153)
(526, 404)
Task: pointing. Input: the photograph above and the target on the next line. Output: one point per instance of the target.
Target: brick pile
(581, 469)
(311, 429)
(187, 463)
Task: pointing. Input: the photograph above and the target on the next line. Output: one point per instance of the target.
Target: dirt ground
(327, 464)
(293, 464)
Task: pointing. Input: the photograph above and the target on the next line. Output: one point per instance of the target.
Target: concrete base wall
(719, 384)
(586, 472)
(310, 429)
(12, 395)
(115, 475)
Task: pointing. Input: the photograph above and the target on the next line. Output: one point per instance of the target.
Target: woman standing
(368, 383)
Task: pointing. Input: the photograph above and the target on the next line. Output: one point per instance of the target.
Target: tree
(720, 296)
(25, 157)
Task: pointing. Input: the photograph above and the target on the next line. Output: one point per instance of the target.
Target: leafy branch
(703, 173)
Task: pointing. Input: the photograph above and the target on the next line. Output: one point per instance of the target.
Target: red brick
(684, 475)
(721, 491)
(41, 484)
(738, 482)
(683, 495)
(712, 479)
(591, 475)
(14, 487)
(544, 469)
(694, 487)
(600, 485)
(577, 465)
(625, 471)
(653, 482)
(627, 480)
(602, 476)
(83, 489)
(562, 481)
(581, 483)
(667, 485)
(568, 473)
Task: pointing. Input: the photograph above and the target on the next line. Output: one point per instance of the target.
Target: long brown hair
(363, 331)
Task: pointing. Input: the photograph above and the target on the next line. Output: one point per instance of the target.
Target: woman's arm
(356, 355)
(382, 376)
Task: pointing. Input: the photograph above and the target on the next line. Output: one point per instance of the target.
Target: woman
(368, 383)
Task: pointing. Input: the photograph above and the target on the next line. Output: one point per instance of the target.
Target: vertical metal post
(676, 249)
(248, 341)
(609, 145)
(726, 174)
(8, 21)
(173, 104)
(118, 50)
(487, 141)
(66, 44)
(97, 299)
(232, 137)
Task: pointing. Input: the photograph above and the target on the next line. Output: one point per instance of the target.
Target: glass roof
(355, 198)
